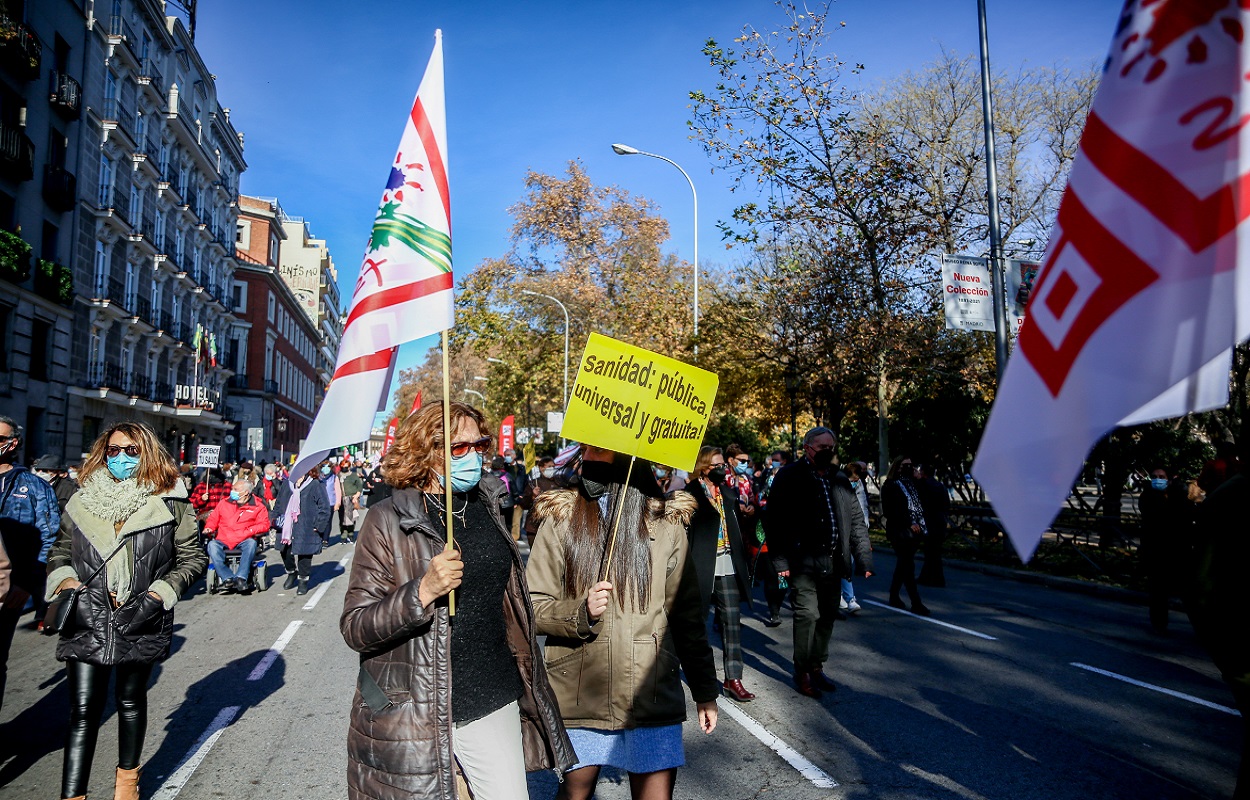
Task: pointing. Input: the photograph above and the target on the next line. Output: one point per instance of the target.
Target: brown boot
(127, 786)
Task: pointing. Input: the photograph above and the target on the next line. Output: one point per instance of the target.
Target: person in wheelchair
(233, 524)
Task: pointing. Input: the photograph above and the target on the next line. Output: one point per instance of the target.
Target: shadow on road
(36, 731)
(223, 688)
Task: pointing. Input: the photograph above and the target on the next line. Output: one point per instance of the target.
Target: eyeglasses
(743, 460)
(113, 449)
(459, 449)
(8, 438)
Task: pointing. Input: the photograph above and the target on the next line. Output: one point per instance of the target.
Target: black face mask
(717, 474)
(823, 458)
(596, 475)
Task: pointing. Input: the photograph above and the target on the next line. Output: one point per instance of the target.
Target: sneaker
(842, 604)
(854, 607)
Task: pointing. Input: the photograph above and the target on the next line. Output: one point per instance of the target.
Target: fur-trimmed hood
(677, 508)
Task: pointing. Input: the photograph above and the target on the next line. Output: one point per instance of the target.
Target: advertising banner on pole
(507, 434)
(640, 403)
(966, 295)
(1019, 284)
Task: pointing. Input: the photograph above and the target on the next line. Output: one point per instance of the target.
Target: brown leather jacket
(403, 749)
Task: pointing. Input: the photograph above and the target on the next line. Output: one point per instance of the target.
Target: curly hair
(416, 455)
(156, 467)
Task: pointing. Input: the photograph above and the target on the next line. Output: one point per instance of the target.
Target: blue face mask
(508, 459)
(661, 474)
(122, 466)
(742, 469)
(325, 470)
(1159, 483)
(466, 471)
(234, 495)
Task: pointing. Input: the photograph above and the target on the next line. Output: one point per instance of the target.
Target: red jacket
(234, 522)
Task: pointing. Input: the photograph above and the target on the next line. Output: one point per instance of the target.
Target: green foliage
(728, 428)
(54, 282)
(14, 257)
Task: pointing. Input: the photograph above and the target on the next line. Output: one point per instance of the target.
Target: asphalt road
(254, 701)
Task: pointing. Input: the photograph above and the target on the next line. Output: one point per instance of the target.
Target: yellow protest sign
(640, 403)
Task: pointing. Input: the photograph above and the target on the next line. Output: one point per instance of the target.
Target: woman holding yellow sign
(618, 633)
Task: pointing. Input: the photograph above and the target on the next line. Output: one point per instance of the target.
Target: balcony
(181, 332)
(65, 96)
(106, 376)
(20, 51)
(120, 33)
(17, 153)
(149, 75)
(140, 386)
(141, 306)
(107, 288)
(162, 393)
(271, 387)
(116, 115)
(192, 201)
(237, 382)
(60, 188)
(165, 322)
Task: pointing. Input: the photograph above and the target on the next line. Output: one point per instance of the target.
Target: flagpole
(620, 505)
(991, 183)
(447, 434)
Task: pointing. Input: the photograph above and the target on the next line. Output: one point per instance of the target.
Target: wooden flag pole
(447, 434)
(616, 523)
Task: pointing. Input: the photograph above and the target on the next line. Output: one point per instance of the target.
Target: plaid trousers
(726, 603)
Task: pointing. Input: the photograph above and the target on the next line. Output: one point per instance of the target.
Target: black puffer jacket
(797, 524)
(402, 749)
(162, 556)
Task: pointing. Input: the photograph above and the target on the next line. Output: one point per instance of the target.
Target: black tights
(580, 784)
(293, 563)
(88, 691)
(904, 569)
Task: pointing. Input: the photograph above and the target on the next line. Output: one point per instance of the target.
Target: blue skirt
(638, 750)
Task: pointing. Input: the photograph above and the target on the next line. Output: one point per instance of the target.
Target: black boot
(303, 586)
(289, 583)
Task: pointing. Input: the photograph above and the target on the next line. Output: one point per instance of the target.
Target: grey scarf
(113, 500)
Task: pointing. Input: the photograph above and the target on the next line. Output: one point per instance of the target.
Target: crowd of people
(630, 571)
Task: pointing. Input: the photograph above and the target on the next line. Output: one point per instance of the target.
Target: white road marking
(267, 661)
(325, 587)
(1160, 689)
(170, 789)
(807, 769)
(968, 631)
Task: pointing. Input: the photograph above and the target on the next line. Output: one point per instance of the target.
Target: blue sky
(321, 91)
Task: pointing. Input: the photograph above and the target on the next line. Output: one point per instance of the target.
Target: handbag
(63, 610)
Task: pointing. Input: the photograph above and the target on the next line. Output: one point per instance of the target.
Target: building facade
(309, 270)
(154, 261)
(278, 385)
(42, 64)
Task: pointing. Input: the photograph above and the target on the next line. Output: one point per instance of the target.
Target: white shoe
(853, 607)
(842, 603)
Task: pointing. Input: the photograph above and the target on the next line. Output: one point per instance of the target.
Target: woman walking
(132, 513)
(302, 517)
(614, 647)
(905, 528)
(719, 559)
(436, 692)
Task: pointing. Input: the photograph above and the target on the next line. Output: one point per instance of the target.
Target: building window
(40, 349)
(243, 235)
(240, 297)
(273, 302)
(51, 234)
(101, 268)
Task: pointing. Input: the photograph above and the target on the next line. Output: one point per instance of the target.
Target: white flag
(405, 287)
(1145, 288)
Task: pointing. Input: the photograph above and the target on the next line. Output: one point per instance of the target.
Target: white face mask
(47, 476)
(549, 473)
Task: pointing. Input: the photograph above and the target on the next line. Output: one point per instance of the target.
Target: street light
(566, 339)
(626, 150)
(477, 393)
(281, 423)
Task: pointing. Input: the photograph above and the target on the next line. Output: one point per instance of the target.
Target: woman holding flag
(436, 692)
(617, 633)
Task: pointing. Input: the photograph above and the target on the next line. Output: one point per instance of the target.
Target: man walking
(29, 521)
(816, 534)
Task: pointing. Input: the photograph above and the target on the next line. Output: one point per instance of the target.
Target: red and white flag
(1145, 288)
(405, 287)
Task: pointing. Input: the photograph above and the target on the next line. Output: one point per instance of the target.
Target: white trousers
(490, 755)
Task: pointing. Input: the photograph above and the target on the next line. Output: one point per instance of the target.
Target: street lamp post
(566, 346)
(626, 150)
(475, 393)
(792, 388)
(281, 423)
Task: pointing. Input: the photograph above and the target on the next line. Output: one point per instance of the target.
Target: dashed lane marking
(325, 587)
(171, 787)
(267, 661)
(968, 631)
(1169, 692)
(807, 769)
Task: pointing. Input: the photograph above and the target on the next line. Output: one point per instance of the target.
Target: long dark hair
(630, 570)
